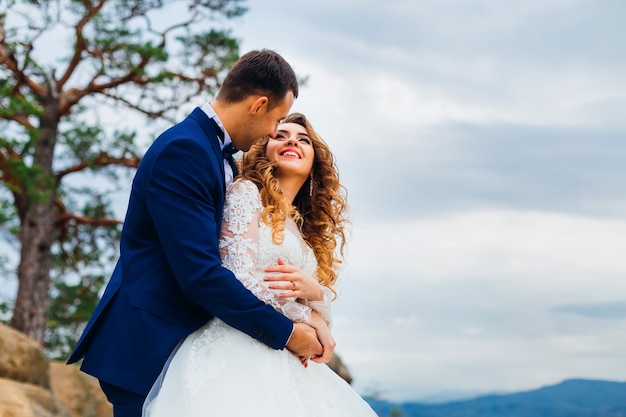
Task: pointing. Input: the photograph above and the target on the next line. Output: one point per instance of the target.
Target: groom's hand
(303, 341)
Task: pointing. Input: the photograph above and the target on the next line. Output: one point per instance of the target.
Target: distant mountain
(571, 398)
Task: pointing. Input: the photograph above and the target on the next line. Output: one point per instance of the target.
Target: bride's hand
(294, 281)
(324, 336)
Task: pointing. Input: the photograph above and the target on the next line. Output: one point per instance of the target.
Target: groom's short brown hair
(262, 72)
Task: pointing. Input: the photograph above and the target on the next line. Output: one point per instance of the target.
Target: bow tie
(229, 150)
(227, 153)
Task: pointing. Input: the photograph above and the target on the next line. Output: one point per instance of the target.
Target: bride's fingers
(279, 277)
(283, 284)
(281, 266)
(291, 287)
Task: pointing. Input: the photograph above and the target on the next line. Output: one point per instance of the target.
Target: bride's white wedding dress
(220, 371)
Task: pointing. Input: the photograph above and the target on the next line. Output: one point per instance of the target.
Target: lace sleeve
(239, 244)
(323, 307)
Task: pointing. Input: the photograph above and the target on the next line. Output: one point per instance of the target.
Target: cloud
(482, 299)
(612, 310)
(466, 167)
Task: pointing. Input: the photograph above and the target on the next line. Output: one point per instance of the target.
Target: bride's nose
(291, 141)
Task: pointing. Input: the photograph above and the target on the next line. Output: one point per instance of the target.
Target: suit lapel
(211, 134)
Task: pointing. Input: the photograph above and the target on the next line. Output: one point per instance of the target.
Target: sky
(483, 146)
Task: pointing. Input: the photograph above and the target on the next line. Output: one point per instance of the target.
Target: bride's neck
(290, 188)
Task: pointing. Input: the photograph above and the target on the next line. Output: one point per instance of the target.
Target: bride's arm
(322, 307)
(239, 244)
(295, 283)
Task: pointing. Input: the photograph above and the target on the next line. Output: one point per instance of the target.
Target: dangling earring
(311, 186)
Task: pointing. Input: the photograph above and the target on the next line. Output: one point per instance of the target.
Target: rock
(22, 359)
(80, 392)
(337, 365)
(19, 399)
(32, 386)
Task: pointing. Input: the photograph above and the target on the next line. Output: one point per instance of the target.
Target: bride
(287, 207)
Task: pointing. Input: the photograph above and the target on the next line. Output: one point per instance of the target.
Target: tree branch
(5, 169)
(101, 160)
(80, 45)
(64, 218)
(151, 114)
(8, 60)
(13, 184)
(74, 95)
(21, 119)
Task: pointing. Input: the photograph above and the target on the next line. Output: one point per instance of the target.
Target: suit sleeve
(183, 188)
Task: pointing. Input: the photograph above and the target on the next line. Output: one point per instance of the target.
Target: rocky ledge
(33, 386)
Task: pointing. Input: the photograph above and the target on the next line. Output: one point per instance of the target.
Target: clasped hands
(312, 341)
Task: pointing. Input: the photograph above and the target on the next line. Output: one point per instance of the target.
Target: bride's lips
(291, 152)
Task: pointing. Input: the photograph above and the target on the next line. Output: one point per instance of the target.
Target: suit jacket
(169, 278)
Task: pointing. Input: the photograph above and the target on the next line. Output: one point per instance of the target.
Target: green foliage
(70, 308)
(122, 51)
(7, 212)
(13, 105)
(82, 258)
(396, 412)
(215, 50)
(38, 185)
(81, 140)
(5, 276)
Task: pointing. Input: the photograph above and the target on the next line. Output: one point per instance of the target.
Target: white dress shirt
(228, 171)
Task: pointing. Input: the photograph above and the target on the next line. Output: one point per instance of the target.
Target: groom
(169, 279)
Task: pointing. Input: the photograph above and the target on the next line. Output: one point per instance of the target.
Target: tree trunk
(31, 304)
(38, 229)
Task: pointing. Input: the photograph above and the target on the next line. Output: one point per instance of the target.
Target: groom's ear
(258, 104)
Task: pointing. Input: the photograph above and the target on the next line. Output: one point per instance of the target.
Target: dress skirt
(219, 371)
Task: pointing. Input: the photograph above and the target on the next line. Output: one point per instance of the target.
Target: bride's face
(292, 150)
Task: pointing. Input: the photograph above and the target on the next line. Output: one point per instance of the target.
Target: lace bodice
(247, 249)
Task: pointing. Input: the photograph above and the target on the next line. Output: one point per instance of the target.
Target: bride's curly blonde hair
(319, 208)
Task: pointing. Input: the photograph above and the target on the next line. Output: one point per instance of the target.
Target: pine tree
(66, 67)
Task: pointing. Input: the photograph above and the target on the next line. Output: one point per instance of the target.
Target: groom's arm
(182, 195)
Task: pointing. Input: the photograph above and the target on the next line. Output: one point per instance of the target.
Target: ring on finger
(293, 286)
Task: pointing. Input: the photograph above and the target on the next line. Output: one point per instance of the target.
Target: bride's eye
(305, 140)
(280, 137)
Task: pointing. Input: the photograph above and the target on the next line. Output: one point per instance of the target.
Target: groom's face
(264, 123)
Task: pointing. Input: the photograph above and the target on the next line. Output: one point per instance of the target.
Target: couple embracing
(219, 304)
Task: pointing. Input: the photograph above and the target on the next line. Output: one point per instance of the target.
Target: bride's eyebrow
(299, 134)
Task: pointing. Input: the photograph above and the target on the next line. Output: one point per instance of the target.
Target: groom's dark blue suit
(169, 279)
